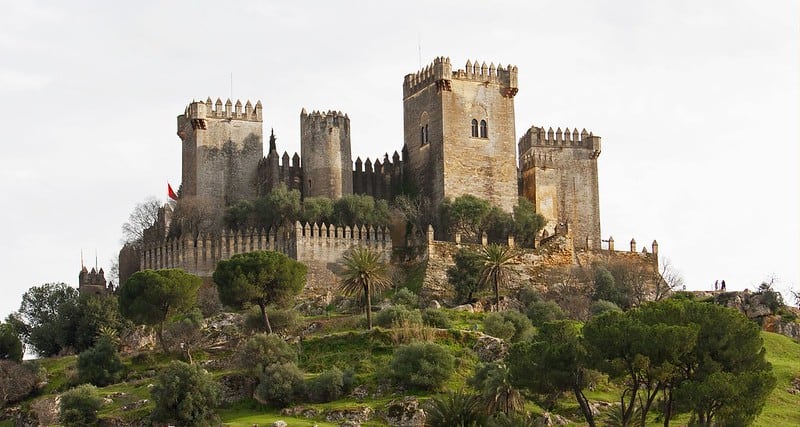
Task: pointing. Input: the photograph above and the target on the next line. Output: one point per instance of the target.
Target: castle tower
(222, 146)
(559, 175)
(459, 131)
(325, 150)
(92, 282)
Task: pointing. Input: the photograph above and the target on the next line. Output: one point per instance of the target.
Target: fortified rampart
(320, 247)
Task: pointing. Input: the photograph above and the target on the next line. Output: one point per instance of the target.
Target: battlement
(323, 119)
(198, 110)
(441, 72)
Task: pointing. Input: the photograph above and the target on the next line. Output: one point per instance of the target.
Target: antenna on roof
(95, 259)
(81, 258)
(231, 84)
(419, 50)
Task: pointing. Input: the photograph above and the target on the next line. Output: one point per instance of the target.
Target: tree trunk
(496, 296)
(265, 317)
(369, 307)
(160, 336)
(667, 407)
(584, 404)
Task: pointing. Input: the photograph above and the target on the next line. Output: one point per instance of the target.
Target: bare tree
(667, 279)
(17, 380)
(143, 216)
(195, 214)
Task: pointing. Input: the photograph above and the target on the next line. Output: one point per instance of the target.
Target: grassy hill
(339, 341)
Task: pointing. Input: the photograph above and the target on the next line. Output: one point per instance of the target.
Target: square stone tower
(221, 150)
(459, 131)
(559, 175)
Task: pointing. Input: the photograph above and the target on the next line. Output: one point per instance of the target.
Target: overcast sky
(696, 102)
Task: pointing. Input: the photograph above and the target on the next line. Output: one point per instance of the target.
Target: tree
(317, 210)
(527, 223)
(10, 344)
(496, 269)
(143, 216)
(262, 350)
(240, 215)
(643, 355)
(280, 207)
(465, 274)
(196, 215)
(79, 406)
(360, 209)
(150, 297)
(498, 393)
(541, 312)
(464, 215)
(184, 395)
(95, 313)
(510, 325)
(260, 278)
(185, 331)
(365, 275)
(552, 362)
(100, 365)
(46, 318)
(607, 289)
(667, 279)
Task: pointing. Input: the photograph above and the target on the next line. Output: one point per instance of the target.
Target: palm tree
(496, 270)
(364, 273)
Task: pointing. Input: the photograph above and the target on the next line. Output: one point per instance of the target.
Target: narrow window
(422, 135)
(484, 131)
(474, 128)
(425, 131)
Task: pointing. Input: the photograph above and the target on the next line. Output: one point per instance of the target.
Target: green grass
(783, 408)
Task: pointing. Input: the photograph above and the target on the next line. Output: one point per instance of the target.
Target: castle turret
(459, 131)
(222, 146)
(325, 149)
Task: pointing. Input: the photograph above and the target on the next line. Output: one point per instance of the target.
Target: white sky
(697, 104)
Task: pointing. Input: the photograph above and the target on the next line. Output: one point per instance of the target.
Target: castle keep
(459, 138)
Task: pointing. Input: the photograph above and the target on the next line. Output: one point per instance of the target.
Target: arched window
(484, 130)
(475, 128)
(423, 135)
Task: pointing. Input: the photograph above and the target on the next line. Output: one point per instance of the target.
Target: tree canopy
(150, 297)
(260, 278)
(10, 344)
(365, 275)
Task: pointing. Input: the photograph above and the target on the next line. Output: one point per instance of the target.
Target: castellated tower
(459, 131)
(559, 175)
(325, 153)
(222, 145)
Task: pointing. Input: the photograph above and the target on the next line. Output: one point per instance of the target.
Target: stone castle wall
(320, 247)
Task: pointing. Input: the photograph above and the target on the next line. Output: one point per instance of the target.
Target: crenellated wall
(320, 247)
(379, 180)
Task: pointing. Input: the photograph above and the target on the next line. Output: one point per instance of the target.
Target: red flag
(171, 193)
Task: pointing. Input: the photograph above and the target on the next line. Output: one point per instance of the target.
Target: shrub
(10, 344)
(79, 406)
(405, 297)
(263, 350)
(280, 320)
(541, 312)
(100, 365)
(327, 386)
(601, 306)
(421, 365)
(397, 314)
(436, 318)
(281, 383)
(528, 295)
(464, 274)
(18, 380)
(184, 395)
(509, 325)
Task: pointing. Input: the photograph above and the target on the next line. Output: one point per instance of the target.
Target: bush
(528, 295)
(509, 325)
(281, 383)
(280, 320)
(184, 395)
(421, 365)
(397, 314)
(18, 380)
(464, 274)
(327, 386)
(541, 312)
(406, 297)
(601, 306)
(10, 344)
(262, 350)
(100, 365)
(436, 318)
(456, 408)
(79, 406)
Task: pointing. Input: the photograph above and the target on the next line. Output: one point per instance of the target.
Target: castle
(459, 138)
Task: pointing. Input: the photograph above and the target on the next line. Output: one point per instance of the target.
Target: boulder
(405, 412)
(489, 348)
(280, 423)
(236, 387)
(359, 414)
(548, 419)
(300, 411)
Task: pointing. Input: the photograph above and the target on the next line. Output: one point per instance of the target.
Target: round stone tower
(325, 152)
